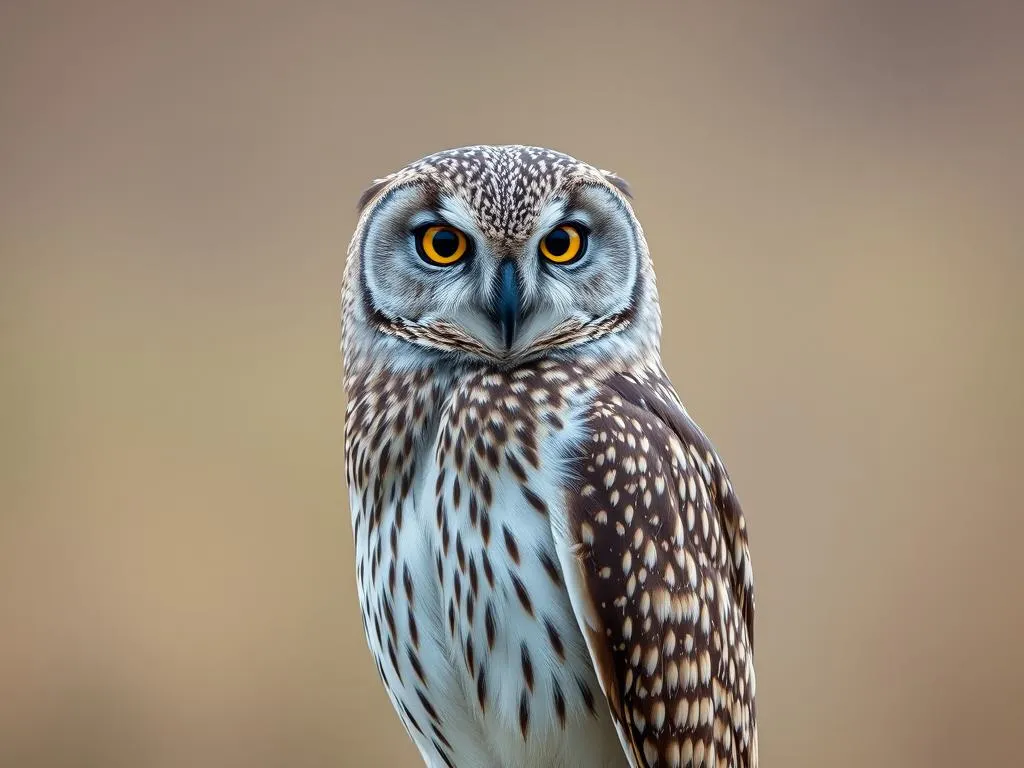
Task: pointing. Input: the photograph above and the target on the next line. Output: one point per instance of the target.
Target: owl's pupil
(558, 242)
(445, 243)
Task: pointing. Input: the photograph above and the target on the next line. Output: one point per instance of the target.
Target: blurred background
(834, 196)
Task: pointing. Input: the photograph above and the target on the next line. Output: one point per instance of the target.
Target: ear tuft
(371, 192)
(618, 182)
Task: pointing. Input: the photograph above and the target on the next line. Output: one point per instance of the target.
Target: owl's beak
(507, 309)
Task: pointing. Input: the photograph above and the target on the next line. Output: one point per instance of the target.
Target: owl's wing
(653, 545)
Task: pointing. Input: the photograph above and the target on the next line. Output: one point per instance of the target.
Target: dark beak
(506, 308)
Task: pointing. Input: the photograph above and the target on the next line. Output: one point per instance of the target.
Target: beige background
(834, 196)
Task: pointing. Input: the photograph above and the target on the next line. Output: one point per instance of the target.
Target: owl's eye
(564, 244)
(441, 244)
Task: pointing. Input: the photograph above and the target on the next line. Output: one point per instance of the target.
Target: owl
(551, 562)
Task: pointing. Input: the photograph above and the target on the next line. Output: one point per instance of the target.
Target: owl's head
(499, 255)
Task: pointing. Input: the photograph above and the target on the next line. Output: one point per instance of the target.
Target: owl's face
(499, 253)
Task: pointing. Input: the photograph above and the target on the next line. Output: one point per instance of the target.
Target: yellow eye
(563, 244)
(441, 244)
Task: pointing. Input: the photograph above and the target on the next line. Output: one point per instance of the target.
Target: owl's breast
(498, 473)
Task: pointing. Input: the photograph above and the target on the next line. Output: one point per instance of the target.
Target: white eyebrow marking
(458, 214)
(551, 214)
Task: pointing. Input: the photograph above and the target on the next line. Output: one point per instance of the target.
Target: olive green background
(834, 196)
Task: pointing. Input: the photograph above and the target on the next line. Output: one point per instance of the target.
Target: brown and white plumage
(551, 561)
(663, 587)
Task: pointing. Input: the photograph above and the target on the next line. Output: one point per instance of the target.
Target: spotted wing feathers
(654, 548)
